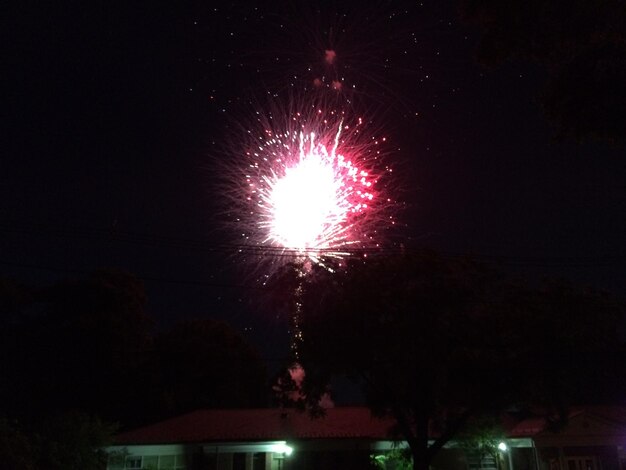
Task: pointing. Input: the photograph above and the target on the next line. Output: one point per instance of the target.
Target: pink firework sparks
(310, 204)
(313, 189)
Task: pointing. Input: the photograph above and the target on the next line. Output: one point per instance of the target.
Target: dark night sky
(112, 115)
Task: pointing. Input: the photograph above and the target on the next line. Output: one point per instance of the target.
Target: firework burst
(312, 186)
(310, 202)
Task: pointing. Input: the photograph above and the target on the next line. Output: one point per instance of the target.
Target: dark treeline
(427, 339)
(81, 359)
(438, 343)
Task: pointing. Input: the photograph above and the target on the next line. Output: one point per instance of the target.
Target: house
(593, 439)
(268, 439)
(349, 438)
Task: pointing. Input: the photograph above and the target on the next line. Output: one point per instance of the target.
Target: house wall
(251, 456)
(595, 457)
(450, 459)
(523, 458)
(337, 459)
(346, 454)
(237, 461)
(152, 457)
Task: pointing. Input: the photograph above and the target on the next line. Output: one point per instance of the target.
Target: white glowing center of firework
(305, 203)
(310, 205)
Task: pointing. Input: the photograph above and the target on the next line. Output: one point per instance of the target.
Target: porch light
(282, 448)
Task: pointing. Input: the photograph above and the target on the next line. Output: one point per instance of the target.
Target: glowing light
(311, 186)
(502, 446)
(309, 204)
(281, 448)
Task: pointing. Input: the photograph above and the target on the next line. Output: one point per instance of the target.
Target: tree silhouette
(436, 342)
(73, 345)
(80, 354)
(203, 364)
(88, 344)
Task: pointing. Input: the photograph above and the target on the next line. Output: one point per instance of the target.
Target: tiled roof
(527, 427)
(276, 424)
(260, 424)
(531, 426)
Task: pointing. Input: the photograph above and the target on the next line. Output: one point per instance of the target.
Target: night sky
(116, 116)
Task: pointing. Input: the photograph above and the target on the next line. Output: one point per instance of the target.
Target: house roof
(615, 415)
(525, 428)
(280, 424)
(260, 424)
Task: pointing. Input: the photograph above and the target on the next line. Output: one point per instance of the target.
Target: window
(150, 462)
(167, 462)
(581, 463)
(239, 461)
(258, 461)
(133, 462)
(172, 462)
(155, 462)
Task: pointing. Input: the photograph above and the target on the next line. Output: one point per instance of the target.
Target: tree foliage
(16, 448)
(83, 353)
(75, 344)
(204, 364)
(435, 342)
(61, 441)
(73, 441)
